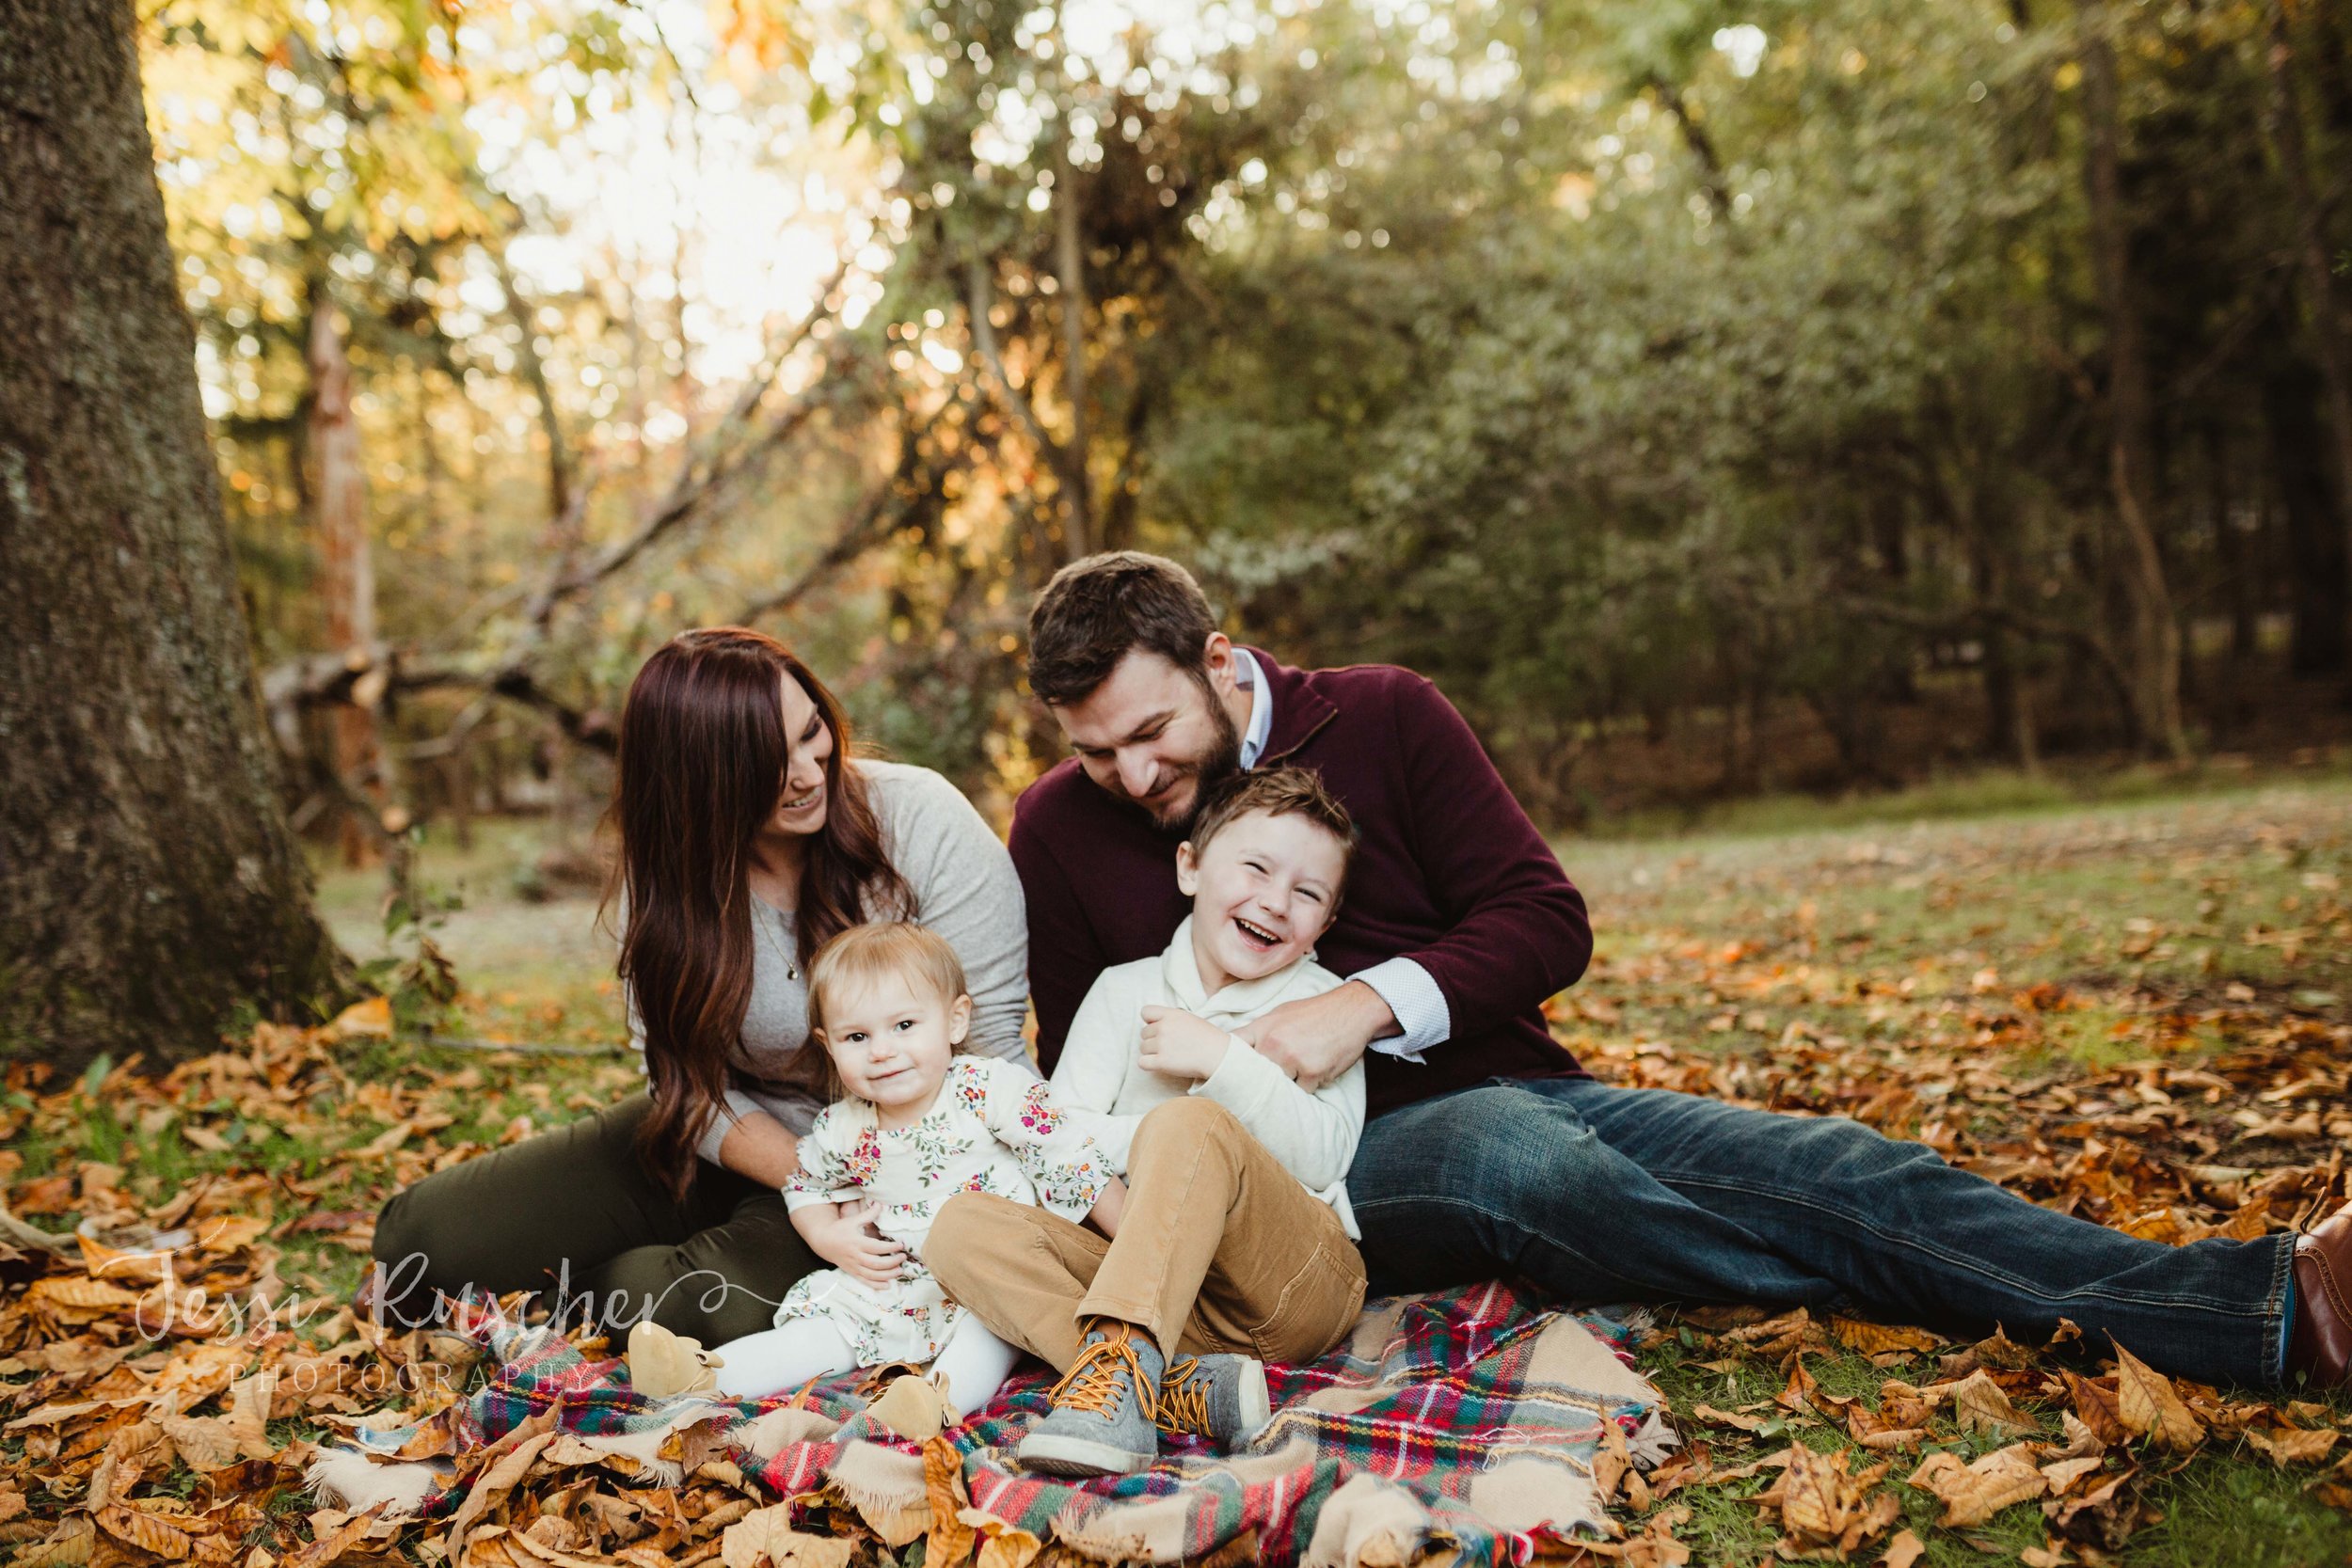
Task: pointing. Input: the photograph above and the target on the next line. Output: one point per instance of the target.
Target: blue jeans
(1602, 1194)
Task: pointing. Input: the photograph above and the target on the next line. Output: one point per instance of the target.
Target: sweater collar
(1299, 708)
(1235, 1002)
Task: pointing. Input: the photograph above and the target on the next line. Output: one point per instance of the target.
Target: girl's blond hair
(864, 953)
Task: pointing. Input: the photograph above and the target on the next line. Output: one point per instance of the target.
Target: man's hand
(1318, 1039)
(849, 1242)
(1178, 1044)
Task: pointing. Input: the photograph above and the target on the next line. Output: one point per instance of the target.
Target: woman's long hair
(701, 764)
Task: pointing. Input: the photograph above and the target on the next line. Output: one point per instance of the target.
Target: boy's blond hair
(863, 953)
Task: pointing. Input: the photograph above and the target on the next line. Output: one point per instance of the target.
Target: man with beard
(1490, 1151)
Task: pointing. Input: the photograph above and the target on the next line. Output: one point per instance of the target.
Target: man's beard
(1222, 761)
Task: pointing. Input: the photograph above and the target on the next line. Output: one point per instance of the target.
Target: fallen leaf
(1979, 1405)
(2148, 1407)
(2095, 1402)
(1871, 1339)
(2292, 1444)
(1903, 1551)
(1972, 1494)
(768, 1533)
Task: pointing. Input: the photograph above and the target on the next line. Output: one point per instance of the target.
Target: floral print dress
(994, 1129)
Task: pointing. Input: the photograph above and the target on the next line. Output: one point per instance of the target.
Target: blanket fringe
(349, 1479)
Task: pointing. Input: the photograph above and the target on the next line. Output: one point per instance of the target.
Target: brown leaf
(1979, 1405)
(768, 1535)
(2148, 1407)
(951, 1539)
(1798, 1397)
(2293, 1446)
(1904, 1550)
(1972, 1494)
(70, 1546)
(2095, 1401)
(1714, 1417)
(156, 1536)
(333, 1538)
(249, 1400)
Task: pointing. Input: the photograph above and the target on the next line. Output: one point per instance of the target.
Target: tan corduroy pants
(1219, 1249)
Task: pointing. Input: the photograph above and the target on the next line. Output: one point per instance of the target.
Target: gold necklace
(791, 967)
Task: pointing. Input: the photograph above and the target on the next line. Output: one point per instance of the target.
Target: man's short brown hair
(1099, 610)
(1277, 792)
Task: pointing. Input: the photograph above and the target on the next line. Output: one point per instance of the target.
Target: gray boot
(1221, 1398)
(1103, 1407)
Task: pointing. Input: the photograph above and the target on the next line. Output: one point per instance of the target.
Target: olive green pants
(572, 1215)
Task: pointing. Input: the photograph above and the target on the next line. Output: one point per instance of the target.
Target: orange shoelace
(1091, 1384)
(1184, 1400)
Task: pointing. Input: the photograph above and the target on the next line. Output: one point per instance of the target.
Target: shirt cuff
(1420, 1007)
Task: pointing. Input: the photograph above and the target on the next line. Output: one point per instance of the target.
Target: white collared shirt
(1410, 989)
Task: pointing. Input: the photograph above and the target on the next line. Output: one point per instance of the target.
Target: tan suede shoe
(2321, 1345)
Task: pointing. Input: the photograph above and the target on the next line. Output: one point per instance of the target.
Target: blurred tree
(151, 888)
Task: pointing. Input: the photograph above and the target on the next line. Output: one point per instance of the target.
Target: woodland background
(1711, 397)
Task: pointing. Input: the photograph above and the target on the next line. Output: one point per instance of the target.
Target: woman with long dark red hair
(748, 835)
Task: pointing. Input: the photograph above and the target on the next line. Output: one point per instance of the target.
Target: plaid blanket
(1469, 1418)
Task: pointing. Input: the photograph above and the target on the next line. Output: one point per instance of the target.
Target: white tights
(974, 1361)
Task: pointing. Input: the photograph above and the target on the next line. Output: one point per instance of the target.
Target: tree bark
(2131, 449)
(2314, 276)
(2318, 593)
(347, 569)
(150, 890)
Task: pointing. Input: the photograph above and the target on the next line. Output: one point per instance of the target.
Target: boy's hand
(849, 1242)
(1178, 1044)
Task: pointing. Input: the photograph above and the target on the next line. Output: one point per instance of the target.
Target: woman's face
(800, 809)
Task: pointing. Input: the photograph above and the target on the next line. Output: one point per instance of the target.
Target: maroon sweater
(1450, 873)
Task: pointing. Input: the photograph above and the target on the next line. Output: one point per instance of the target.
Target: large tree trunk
(2312, 269)
(148, 887)
(2131, 449)
(2316, 577)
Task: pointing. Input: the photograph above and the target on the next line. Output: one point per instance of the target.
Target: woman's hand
(1178, 1044)
(849, 1242)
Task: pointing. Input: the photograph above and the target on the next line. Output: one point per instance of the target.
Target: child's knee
(1185, 1122)
(970, 1229)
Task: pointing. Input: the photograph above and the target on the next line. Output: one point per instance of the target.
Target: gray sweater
(965, 889)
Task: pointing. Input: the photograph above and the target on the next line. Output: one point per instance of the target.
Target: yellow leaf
(950, 1539)
(2148, 1407)
(372, 1017)
(1871, 1339)
(69, 1546)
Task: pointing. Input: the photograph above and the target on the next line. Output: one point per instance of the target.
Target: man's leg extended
(1871, 1221)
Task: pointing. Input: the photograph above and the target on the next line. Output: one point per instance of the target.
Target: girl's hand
(1178, 1044)
(849, 1242)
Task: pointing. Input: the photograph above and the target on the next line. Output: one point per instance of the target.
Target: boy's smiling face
(1262, 891)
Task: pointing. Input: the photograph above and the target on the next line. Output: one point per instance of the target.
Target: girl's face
(800, 809)
(891, 1038)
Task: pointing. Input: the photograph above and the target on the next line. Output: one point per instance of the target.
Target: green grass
(1957, 797)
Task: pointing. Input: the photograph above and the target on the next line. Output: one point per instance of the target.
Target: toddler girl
(915, 1122)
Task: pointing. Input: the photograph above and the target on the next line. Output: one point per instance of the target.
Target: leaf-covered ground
(2137, 1013)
